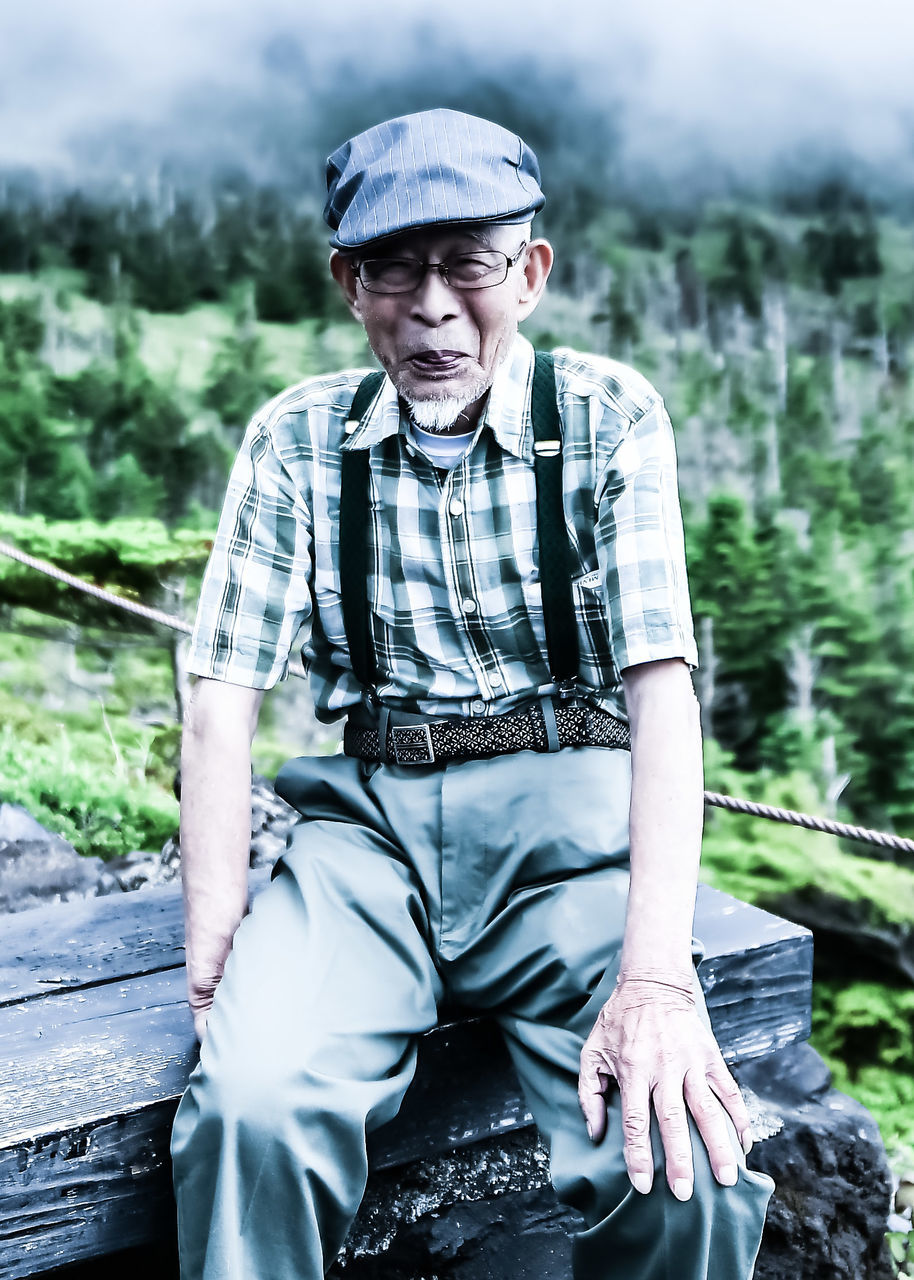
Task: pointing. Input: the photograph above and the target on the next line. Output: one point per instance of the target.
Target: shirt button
(455, 507)
(477, 707)
(495, 679)
(469, 606)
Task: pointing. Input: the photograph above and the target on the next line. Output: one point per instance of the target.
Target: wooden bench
(96, 1043)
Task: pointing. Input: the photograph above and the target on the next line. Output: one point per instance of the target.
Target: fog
(101, 88)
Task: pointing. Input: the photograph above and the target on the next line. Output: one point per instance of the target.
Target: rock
(139, 869)
(38, 867)
(488, 1211)
(850, 933)
(17, 823)
(271, 821)
(828, 1217)
(171, 853)
(484, 1211)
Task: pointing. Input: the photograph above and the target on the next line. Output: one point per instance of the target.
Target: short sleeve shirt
(455, 603)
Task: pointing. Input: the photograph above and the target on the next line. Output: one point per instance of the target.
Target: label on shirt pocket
(591, 580)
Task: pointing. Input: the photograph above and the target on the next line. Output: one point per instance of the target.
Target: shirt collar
(381, 420)
(506, 412)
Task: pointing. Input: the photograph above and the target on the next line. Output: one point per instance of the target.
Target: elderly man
(483, 549)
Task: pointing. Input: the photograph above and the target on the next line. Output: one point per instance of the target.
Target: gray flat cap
(435, 166)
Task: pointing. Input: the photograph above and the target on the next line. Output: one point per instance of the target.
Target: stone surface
(486, 1212)
(38, 867)
(851, 935)
(490, 1214)
(271, 821)
(828, 1217)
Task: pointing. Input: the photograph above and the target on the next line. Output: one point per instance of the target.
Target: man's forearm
(649, 1037)
(215, 829)
(665, 823)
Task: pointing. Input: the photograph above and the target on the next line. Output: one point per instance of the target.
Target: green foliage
(865, 1032)
(167, 255)
(738, 279)
(84, 782)
(845, 246)
(760, 862)
(129, 557)
(21, 330)
(239, 380)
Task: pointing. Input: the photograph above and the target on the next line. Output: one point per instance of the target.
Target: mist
(661, 94)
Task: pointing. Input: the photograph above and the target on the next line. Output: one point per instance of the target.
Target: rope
(713, 798)
(807, 820)
(89, 589)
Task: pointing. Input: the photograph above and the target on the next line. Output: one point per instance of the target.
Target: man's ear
(537, 265)
(343, 274)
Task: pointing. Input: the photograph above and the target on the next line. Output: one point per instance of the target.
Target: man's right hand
(215, 830)
(200, 995)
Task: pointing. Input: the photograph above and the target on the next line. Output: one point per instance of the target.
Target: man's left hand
(650, 1040)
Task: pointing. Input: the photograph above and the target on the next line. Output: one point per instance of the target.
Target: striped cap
(435, 166)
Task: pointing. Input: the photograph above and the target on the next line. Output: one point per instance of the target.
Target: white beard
(440, 413)
(436, 415)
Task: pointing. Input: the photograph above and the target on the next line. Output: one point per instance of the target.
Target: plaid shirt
(455, 602)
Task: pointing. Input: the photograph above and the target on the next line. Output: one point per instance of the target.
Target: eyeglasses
(480, 270)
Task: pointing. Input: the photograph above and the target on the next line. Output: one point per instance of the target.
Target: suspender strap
(555, 557)
(555, 554)
(353, 530)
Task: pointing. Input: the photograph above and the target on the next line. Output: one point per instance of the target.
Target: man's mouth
(436, 361)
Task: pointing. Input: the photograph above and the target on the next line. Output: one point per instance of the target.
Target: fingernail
(747, 1141)
(641, 1182)
(727, 1175)
(589, 1130)
(682, 1189)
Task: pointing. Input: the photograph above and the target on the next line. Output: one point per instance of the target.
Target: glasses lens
(390, 275)
(477, 270)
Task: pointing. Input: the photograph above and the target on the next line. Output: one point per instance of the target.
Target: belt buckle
(411, 744)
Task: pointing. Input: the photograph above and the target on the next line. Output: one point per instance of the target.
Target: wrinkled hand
(650, 1040)
(200, 995)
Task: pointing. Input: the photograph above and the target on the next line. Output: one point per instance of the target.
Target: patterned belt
(438, 741)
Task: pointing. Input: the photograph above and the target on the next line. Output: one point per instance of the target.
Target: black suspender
(556, 559)
(354, 506)
(555, 554)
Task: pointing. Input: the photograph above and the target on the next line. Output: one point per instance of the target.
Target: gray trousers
(499, 884)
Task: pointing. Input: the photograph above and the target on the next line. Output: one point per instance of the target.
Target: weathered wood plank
(71, 945)
(756, 976)
(93, 1191)
(89, 1077)
(72, 1060)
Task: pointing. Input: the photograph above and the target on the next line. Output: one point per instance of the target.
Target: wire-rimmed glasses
(481, 269)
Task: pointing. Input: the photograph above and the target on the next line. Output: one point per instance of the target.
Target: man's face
(437, 342)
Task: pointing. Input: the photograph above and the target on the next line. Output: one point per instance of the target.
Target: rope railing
(734, 804)
(812, 823)
(90, 589)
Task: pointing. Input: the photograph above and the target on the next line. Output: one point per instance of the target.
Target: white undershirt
(443, 450)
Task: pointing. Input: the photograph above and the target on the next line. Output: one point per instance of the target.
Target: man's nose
(433, 300)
